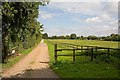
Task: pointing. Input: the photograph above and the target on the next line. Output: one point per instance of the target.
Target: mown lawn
(83, 67)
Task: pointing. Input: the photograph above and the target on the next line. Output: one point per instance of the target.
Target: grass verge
(82, 67)
(14, 60)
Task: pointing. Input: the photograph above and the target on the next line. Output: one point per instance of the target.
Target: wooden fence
(74, 48)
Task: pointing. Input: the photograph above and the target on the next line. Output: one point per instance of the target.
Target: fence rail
(74, 48)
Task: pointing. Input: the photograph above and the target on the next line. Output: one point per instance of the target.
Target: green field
(83, 67)
(110, 44)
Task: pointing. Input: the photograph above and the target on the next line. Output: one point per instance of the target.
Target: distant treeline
(112, 37)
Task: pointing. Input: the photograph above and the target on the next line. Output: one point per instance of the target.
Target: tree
(73, 36)
(67, 37)
(61, 37)
(19, 25)
(45, 35)
(92, 38)
(54, 37)
(82, 37)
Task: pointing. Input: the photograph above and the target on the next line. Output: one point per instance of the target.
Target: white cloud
(101, 29)
(86, 8)
(102, 18)
(111, 8)
(45, 15)
(96, 30)
(113, 23)
(101, 15)
(94, 19)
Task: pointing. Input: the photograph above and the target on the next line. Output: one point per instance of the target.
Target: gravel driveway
(34, 65)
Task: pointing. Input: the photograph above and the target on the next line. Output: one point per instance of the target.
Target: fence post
(88, 49)
(81, 49)
(55, 55)
(95, 55)
(96, 48)
(77, 46)
(92, 54)
(108, 52)
(73, 54)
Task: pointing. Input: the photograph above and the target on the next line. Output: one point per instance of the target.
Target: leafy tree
(73, 36)
(78, 37)
(67, 37)
(54, 37)
(45, 35)
(20, 25)
(92, 38)
(82, 37)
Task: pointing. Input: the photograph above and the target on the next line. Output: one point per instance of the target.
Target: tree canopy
(73, 36)
(20, 25)
(45, 35)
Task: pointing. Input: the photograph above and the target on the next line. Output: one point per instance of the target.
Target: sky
(81, 18)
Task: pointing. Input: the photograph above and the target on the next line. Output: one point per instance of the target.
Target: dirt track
(34, 65)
